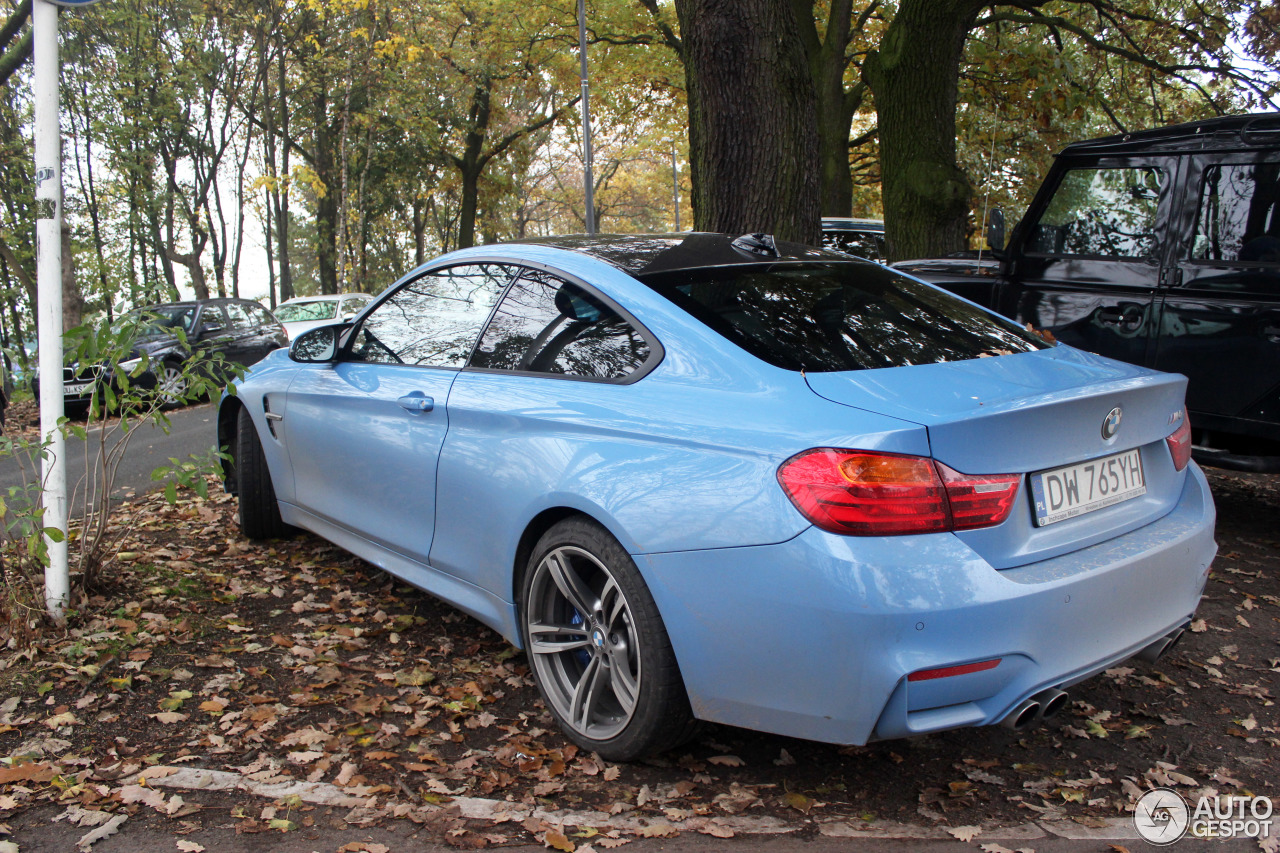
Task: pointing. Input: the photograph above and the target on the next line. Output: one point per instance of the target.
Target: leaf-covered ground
(294, 661)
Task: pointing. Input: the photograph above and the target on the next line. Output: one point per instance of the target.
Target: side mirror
(319, 345)
(995, 229)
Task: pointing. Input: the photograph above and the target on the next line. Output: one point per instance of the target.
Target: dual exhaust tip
(1043, 706)
(1049, 703)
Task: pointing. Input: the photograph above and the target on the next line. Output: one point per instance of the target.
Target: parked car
(759, 483)
(240, 330)
(862, 238)
(307, 312)
(1159, 248)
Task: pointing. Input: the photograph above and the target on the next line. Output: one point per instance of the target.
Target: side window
(260, 316)
(212, 316)
(862, 244)
(1103, 212)
(547, 325)
(1239, 216)
(433, 320)
(238, 315)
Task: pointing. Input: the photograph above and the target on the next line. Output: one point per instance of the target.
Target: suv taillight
(862, 493)
(1180, 443)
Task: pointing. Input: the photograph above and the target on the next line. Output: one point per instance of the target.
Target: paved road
(191, 431)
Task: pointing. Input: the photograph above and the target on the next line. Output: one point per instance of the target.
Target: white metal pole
(48, 144)
(675, 185)
(586, 120)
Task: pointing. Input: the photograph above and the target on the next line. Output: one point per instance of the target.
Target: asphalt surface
(191, 431)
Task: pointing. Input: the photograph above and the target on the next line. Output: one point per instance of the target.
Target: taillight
(1180, 443)
(885, 494)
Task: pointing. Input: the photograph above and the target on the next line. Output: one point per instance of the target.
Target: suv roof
(1243, 132)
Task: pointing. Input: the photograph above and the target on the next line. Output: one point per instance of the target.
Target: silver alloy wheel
(171, 385)
(583, 642)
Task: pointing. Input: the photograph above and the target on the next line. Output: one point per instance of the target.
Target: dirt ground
(293, 661)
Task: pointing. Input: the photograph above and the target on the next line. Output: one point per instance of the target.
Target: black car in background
(240, 330)
(1160, 248)
(862, 238)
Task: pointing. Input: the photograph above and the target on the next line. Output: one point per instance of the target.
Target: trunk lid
(1026, 413)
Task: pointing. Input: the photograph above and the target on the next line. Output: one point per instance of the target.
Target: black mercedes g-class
(1161, 248)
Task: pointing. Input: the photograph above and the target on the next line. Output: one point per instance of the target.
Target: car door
(363, 435)
(239, 344)
(549, 380)
(1090, 259)
(1220, 318)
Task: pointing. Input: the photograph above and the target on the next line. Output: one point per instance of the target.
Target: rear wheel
(598, 647)
(259, 511)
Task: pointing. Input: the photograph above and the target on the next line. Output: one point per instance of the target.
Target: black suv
(1159, 248)
(240, 330)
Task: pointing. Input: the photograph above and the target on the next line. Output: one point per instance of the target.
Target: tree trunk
(470, 164)
(753, 148)
(72, 297)
(327, 202)
(915, 78)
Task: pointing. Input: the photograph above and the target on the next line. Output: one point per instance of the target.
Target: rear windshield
(830, 317)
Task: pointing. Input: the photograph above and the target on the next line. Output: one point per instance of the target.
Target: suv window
(547, 325)
(863, 244)
(434, 319)
(1239, 216)
(1102, 212)
(239, 315)
(830, 317)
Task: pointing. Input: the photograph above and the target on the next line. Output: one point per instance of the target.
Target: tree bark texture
(915, 78)
(327, 200)
(753, 146)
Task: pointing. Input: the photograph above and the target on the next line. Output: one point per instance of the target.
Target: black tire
(636, 705)
(259, 511)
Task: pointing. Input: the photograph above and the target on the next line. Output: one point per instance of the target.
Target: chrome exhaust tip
(1022, 716)
(1158, 649)
(1052, 702)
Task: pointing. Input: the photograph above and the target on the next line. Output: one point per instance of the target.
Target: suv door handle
(1271, 333)
(416, 403)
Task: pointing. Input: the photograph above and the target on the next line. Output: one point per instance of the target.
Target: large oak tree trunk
(915, 78)
(753, 145)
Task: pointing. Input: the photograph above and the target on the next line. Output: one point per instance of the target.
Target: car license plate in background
(74, 388)
(1073, 490)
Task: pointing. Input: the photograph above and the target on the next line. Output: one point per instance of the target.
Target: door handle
(416, 403)
(1271, 333)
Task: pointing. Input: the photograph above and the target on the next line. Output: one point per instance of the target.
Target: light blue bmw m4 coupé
(700, 477)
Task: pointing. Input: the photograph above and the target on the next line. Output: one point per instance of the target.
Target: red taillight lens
(981, 500)
(885, 494)
(1180, 443)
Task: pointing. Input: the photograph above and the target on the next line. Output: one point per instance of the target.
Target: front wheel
(598, 647)
(171, 385)
(259, 511)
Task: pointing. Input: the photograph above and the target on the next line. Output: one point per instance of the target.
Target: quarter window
(1102, 212)
(434, 319)
(1239, 219)
(547, 325)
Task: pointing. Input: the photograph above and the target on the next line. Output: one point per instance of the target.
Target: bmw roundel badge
(1111, 422)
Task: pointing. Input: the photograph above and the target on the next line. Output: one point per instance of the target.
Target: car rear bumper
(815, 637)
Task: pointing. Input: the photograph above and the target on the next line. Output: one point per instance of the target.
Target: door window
(433, 320)
(1101, 212)
(548, 325)
(1239, 218)
(239, 316)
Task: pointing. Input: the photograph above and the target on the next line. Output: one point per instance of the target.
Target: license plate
(74, 389)
(1074, 490)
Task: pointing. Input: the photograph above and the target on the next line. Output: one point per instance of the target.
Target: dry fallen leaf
(726, 760)
(190, 846)
(964, 833)
(558, 841)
